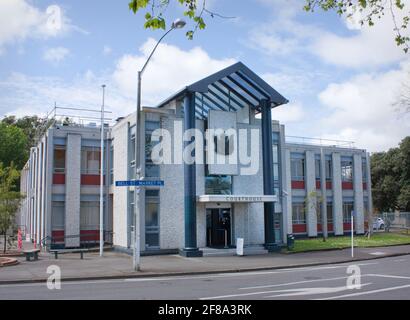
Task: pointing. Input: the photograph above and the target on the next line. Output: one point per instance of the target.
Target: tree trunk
(5, 243)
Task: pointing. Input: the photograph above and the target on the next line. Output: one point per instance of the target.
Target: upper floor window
(151, 169)
(297, 169)
(111, 164)
(347, 170)
(90, 160)
(59, 159)
(364, 170)
(317, 169)
(328, 169)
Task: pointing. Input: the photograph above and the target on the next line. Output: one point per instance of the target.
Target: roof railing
(320, 142)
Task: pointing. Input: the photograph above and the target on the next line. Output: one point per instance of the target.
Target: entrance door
(218, 228)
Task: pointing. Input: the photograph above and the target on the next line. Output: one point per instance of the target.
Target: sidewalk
(118, 265)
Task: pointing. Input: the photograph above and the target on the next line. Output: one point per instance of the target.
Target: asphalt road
(387, 278)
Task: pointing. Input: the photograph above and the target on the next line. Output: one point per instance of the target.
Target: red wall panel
(58, 178)
(298, 184)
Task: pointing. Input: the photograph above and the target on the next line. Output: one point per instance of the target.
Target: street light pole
(102, 175)
(177, 24)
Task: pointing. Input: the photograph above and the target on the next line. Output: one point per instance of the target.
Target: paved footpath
(118, 265)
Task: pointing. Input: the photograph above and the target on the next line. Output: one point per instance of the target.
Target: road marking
(273, 291)
(388, 276)
(292, 283)
(311, 291)
(367, 292)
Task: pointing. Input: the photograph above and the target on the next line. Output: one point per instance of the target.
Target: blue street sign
(140, 183)
(353, 213)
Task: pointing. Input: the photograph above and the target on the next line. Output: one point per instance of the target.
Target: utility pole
(177, 24)
(102, 175)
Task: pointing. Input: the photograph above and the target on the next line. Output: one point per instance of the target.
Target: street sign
(353, 213)
(140, 183)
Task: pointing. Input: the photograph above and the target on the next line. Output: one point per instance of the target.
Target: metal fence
(396, 219)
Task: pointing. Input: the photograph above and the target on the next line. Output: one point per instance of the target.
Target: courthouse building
(262, 187)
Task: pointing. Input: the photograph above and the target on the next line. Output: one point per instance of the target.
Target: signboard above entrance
(237, 198)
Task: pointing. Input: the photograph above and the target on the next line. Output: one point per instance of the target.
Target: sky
(342, 79)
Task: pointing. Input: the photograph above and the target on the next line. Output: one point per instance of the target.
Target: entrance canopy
(237, 198)
(230, 89)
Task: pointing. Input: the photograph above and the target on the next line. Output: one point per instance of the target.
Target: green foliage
(154, 15)
(391, 178)
(13, 145)
(370, 10)
(9, 199)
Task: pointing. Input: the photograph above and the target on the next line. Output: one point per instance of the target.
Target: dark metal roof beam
(227, 86)
(244, 89)
(210, 92)
(253, 85)
(239, 103)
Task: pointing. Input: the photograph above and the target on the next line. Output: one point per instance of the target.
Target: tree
(371, 10)
(32, 126)
(195, 10)
(391, 178)
(13, 145)
(9, 199)
(314, 201)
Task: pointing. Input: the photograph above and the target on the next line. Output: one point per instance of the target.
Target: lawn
(376, 240)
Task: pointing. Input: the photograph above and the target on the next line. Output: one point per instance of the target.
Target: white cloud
(169, 71)
(56, 55)
(291, 112)
(20, 20)
(27, 95)
(361, 109)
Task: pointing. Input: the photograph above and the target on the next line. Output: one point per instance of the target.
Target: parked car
(378, 224)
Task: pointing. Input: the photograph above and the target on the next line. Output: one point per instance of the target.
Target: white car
(378, 224)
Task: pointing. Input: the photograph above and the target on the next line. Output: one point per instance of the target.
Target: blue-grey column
(323, 192)
(337, 195)
(311, 195)
(369, 193)
(269, 208)
(190, 249)
(358, 193)
(72, 191)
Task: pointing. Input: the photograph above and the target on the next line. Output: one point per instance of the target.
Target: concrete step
(248, 251)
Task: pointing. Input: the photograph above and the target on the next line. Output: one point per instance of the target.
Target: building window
(348, 207)
(111, 164)
(297, 167)
(152, 219)
(90, 215)
(298, 213)
(329, 208)
(347, 170)
(275, 152)
(90, 160)
(131, 154)
(58, 215)
(215, 185)
(317, 169)
(364, 170)
(151, 169)
(59, 159)
(328, 169)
